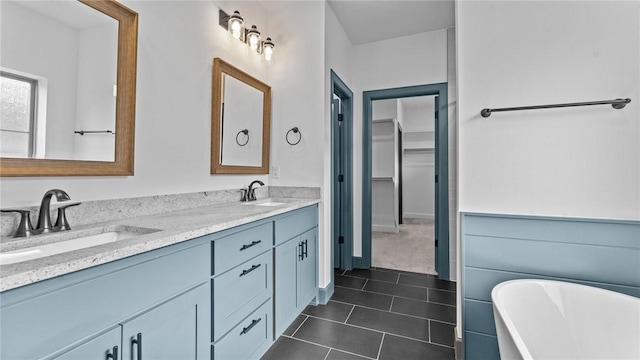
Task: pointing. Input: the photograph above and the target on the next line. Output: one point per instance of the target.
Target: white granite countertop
(168, 228)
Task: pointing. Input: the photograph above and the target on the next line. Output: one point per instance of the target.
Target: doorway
(441, 221)
(342, 173)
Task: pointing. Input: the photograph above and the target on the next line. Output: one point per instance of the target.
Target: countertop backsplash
(91, 212)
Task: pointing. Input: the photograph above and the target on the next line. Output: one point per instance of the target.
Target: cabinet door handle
(245, 272)
(300, 251)
(305, 252)
(248, 328)
(253, 243)
(113, 354)
(138, 342)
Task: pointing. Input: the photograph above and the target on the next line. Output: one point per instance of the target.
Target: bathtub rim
(506, 320)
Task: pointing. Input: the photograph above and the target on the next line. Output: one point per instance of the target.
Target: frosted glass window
(17, 102)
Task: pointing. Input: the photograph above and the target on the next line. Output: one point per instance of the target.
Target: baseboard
(407, 215)
(358, 263)
(457, 346)
(324, 294)
(385, 229)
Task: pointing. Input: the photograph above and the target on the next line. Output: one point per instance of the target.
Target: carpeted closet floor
(410, 250)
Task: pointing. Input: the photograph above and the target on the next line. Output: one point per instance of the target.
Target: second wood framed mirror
(240, 122)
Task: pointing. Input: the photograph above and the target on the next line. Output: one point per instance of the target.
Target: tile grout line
(391, 305)
(350, 312)
(398, 279)
(380, 348)
(299, 326)
(375, 330)
(328, 352)
(328, 347)
(400, 296)
(392, 312)
(429, 328)
(365, 284)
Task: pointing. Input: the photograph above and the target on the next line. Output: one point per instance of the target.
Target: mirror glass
(57, 99)
(67, 87)
(241, 123)
(240, 119)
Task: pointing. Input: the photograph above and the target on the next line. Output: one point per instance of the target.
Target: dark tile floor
(375, 314)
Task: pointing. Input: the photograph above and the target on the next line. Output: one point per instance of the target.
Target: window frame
(34, 82)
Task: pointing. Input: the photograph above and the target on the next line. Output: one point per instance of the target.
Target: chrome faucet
(251, 192)
(44, 216)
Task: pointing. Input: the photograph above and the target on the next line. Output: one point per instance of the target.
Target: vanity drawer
(240, 291)
(251, 334)
(235, 249)
(295, 224)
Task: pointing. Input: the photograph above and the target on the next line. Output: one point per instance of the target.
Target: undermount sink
(40, 251)
(271, 203)
(267, 202)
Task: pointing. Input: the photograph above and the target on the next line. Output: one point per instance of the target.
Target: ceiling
(367, 21)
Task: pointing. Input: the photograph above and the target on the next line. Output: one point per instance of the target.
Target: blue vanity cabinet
(85, 314)
(97, 348)
(242, 291)
(295, 272)
(173, 330)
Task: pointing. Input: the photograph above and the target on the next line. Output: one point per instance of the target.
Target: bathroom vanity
(216, 282)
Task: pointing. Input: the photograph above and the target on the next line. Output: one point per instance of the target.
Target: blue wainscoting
(497, 248)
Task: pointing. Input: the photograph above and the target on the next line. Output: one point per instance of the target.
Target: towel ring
(246, 132)
(295, 131)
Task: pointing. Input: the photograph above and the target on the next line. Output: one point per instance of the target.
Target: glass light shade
(267, 49)
(236, 23)
(253, 38)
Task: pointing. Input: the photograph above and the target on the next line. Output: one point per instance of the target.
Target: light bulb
(236, 25)
(254, 38)
(268, 49)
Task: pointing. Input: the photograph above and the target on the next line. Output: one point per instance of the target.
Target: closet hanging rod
(616, 104)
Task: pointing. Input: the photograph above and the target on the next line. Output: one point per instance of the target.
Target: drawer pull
(300, 252)
(253, 243)
(248, 328)
(113, 354)
(245, 272)
(305, 250)
(138, 342)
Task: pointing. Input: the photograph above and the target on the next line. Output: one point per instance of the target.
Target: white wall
(298, 82)
(412, 60)
(177, 41)
(338, 57)
(577, 162)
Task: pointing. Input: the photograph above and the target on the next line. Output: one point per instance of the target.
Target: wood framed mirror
(121, 89)
(240, 121)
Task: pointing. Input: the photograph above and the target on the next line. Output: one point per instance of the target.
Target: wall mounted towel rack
(616, 104)
(82, 132)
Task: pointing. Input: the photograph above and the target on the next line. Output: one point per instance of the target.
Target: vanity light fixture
(234, 24)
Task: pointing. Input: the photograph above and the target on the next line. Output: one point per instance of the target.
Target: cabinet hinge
(340, 178)
(340, 117)
(436, 242)
(436, 177)
(340, 239)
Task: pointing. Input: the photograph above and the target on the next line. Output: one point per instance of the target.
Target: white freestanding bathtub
(543, 319)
